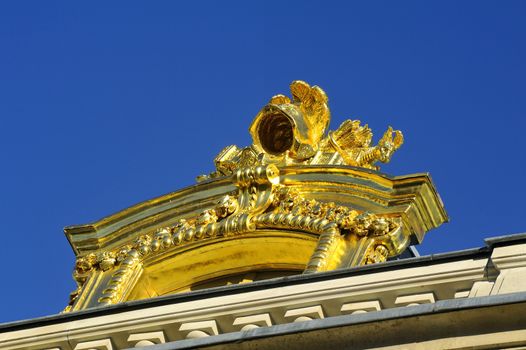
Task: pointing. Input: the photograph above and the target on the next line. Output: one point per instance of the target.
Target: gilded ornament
(377, 254)
(294, 131)
(106, 260)
(226, 206)
(297, 183)
(207, 217)
(85, 264)
(122, 253)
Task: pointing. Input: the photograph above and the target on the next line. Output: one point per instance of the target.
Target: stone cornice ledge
(297, 333)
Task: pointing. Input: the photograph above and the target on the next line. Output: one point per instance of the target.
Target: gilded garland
(261, 202)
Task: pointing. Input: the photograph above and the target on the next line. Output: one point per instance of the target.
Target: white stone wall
(401, 286)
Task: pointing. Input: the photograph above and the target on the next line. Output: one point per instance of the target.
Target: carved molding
(102, 344)
(305, 314)
(261, 203)
(253, 321)
(146, 339)
(295, 131)
(199, 329)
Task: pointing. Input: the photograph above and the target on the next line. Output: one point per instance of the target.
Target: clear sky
(106, 104)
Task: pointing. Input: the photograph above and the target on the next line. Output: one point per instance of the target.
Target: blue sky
(104, 105)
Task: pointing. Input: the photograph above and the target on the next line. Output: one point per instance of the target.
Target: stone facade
(469, 299)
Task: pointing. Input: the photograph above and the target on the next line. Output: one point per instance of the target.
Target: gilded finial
(294, 131)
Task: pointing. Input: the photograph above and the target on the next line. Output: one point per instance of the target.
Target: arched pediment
(261, 221)
(298, 200)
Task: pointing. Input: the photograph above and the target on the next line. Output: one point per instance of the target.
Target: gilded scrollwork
(370, 224)
(331, 221)
(230, 216)
(261, 202)
(348, 220)
(295, 131)
(330, 212)
(226, 206)
(84, 266)
(106, 260)
(113, 290)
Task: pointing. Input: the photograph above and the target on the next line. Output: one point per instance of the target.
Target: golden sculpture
(296, 201)
(289, 132)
